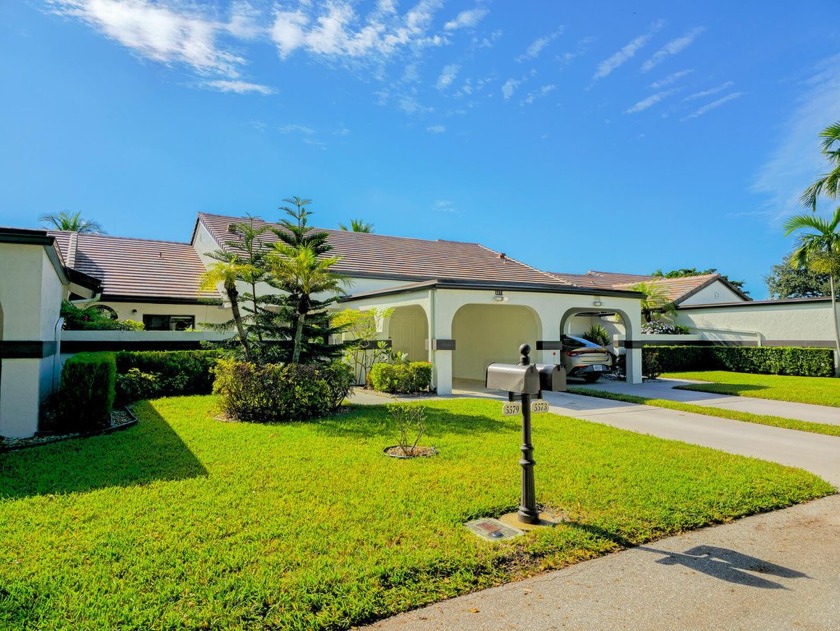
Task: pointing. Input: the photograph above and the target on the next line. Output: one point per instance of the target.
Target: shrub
(95, 317)
(86, 397)
(774, 360)
(272, 393)
(664, 328)
(597, 334)
(149, 374)
(402, 378)
(410, 421)
(651, 368)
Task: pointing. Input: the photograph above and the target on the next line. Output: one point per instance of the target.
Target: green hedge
(86, 396)
(273, 393)
(401, 378)
(773, 360)
(150, 374)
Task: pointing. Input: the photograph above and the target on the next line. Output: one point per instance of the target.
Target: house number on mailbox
(539, 406)
(511, 409)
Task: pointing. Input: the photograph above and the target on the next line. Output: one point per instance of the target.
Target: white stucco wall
(717, 292)
(769, 322)
(211, 314)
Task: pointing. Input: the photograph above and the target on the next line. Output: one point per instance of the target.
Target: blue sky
(601, 135)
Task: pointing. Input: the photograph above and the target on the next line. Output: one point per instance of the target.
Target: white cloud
(488, 41)
(296, 129)
(239, 87)
(436, 129)
(672, 48)
(466, 19)
(709, 92)
(649, 101)
(160, 33)
(447, 76)
(714, 105)
(671, 78)
(583, 46)
(606, 67)
(510, 86)
(533, 51)
(538, 94)
(409, 104)
(444, 206)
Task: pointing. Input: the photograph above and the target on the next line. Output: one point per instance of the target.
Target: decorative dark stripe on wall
(444, 345)
(790, 343)
(26, 349)
(549, 345)
(80, 346)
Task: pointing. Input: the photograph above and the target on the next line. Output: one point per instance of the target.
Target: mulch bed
(418, 452)
(120, 419)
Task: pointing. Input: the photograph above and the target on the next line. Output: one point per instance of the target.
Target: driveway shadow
(147, 452)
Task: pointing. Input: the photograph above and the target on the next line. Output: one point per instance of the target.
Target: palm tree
(828, 184)
(357, 225)
(655, 300)
(818, 249)
(72, 222)
(227, 272)
(302, 274)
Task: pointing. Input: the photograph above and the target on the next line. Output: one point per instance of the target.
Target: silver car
(583, 359)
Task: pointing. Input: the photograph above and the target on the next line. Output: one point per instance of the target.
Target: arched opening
(578, 321)
(490, 333)
(408, 329)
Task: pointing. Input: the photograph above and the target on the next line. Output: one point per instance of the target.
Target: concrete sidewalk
(665, 389)
(775, 571)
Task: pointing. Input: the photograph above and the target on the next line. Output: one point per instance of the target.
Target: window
(168, 322)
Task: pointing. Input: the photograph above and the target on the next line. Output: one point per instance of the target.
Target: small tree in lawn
(818, 248)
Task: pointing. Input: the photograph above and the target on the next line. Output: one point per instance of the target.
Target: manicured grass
(186, 522)
(817, 390)
(735, 415)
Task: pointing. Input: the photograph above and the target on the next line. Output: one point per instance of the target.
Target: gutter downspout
(432, 318)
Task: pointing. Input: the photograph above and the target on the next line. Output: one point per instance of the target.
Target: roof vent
(231, 228)
(503, 256)
(160, 254)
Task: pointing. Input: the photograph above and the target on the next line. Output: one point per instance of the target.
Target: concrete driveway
(775, 571)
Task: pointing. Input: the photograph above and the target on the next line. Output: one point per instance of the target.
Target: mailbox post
(523, 380)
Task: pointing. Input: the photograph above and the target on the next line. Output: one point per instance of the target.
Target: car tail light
(572, 353)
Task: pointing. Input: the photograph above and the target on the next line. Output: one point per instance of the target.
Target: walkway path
(775, 571)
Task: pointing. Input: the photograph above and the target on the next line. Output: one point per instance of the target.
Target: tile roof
(676, 289)
(376, 255)
(135, 267)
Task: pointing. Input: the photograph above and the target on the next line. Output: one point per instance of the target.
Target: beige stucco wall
(717, 292)
(212, 314)
(801, 321)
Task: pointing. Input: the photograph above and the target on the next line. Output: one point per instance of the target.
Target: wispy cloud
(714, 105)
(296, 129)
(466, 19)
(650, 101)
(672, 48)
(444, 206)
(512, 85)
(796, 161)
(709, 92)
(488, 41)
(238, 87)
(538, 94)
(447, 76)
(582, 47)
(160, 33)
(436, 129)
(670, 79)
(536, 47)
(618, 59)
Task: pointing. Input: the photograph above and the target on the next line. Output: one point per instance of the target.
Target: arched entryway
(408, 330)
(490, 333)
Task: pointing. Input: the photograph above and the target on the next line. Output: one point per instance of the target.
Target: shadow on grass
(721, 563)
(148, 452)
(367, 421)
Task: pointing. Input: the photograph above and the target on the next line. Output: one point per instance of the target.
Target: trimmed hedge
(150, 374)
(274, 393)
(401, 378)
(772, 360)
(86, 396)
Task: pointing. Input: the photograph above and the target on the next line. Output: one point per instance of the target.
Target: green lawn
(186, 522)
(735, 415)
(817, 390)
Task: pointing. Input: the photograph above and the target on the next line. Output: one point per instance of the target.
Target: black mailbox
(552, 377)
(513, 378)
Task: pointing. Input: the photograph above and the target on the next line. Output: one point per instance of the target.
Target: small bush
(404, 378)
(149, 374)
(273, 393)
(86, 397)
(664, 328)
(651, 368)
(410, 421)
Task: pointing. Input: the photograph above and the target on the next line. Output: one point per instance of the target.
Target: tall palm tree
(301, 273)
(828, 184)
(72, 222)
(655, 300)
(227, 273)
(357, 225)
(818, 248)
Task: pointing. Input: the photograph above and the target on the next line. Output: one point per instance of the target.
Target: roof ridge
(505, 257)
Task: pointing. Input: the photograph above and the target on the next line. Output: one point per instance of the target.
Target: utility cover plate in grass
(492, 529)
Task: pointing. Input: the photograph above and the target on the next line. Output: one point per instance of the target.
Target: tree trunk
(298, 338)
(836, 325)
(233, 296)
